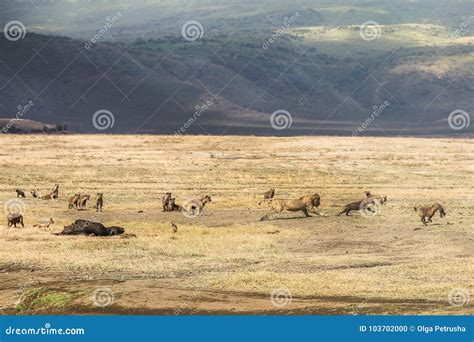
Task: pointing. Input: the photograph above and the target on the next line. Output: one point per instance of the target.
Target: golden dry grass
(329, 264)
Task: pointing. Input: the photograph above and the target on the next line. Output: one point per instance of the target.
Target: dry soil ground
(227, 261)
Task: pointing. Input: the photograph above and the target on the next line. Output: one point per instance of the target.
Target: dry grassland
(226, 261)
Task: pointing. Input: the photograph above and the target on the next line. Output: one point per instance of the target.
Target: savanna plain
(227, 261)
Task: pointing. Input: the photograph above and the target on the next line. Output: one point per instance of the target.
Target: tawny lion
(381, 199)
(307, 204)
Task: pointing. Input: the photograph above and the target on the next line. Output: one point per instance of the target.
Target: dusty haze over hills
(224, 67)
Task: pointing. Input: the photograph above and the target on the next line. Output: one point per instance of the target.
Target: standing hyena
(72, 201)
(14, 219)
(99, 202)
(55, 191)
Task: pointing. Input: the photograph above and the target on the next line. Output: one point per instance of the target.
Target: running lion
(307, 204)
